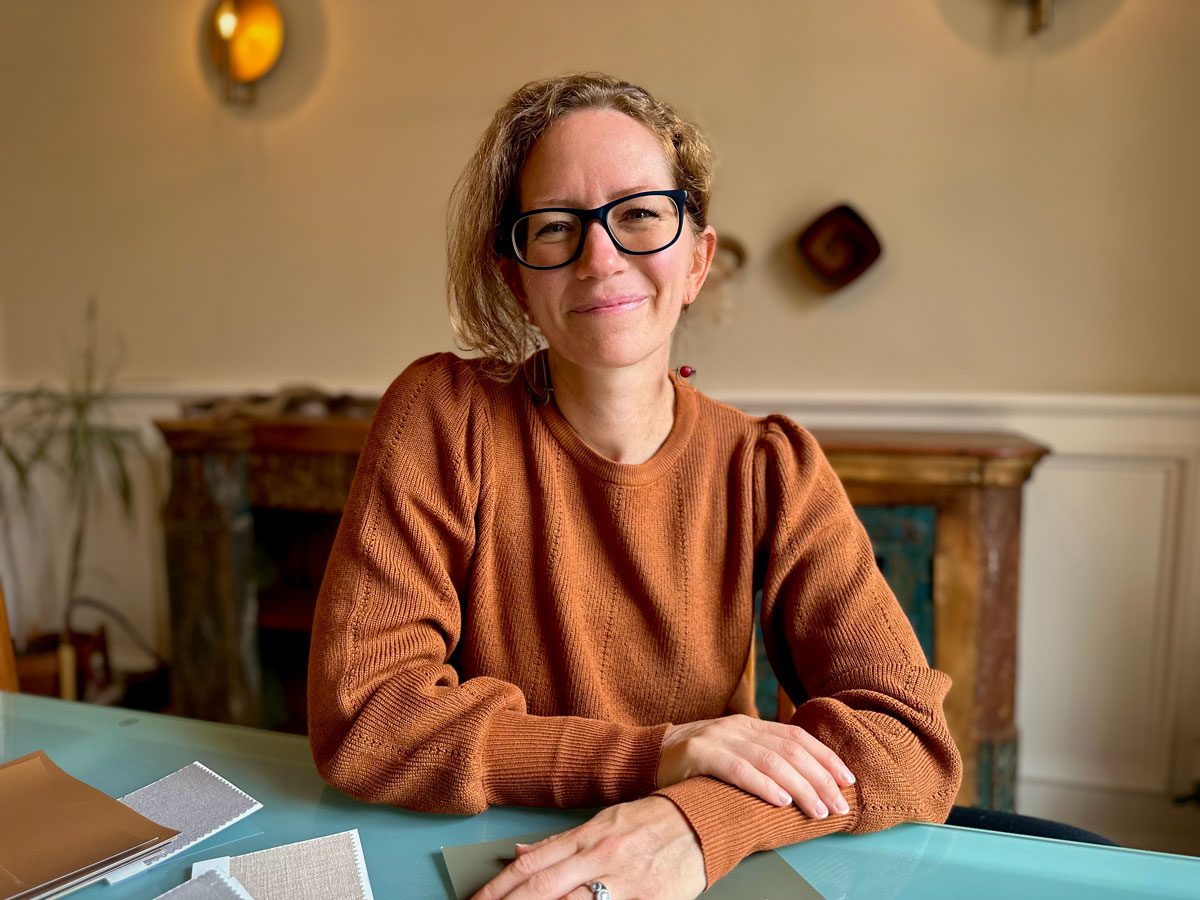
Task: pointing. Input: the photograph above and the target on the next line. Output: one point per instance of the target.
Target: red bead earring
(685, 371)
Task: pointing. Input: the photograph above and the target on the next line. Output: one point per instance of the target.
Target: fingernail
(784, 799)
(841, 805)
(523, 846)
(822, 810)
(848, 776)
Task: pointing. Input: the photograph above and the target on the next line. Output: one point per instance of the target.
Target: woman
(542, 588)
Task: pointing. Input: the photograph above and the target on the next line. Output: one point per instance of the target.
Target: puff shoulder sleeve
(839, 641)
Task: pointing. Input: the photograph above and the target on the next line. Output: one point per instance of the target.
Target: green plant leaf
(115, 442)
(20, 468)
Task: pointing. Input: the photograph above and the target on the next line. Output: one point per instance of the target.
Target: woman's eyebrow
(544, 202)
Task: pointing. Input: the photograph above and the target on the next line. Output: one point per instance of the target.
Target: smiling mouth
(615, 305)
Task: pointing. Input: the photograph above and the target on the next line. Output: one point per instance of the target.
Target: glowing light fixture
(247, 39)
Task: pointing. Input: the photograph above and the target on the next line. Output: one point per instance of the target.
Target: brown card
(763, 876)
(58, 831)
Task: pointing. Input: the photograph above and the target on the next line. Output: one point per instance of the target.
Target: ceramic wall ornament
(837, 248)
(729, 261)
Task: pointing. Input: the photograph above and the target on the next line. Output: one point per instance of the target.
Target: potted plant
(69, 433)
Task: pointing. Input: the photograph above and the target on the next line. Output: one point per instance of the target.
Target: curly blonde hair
(486, 316)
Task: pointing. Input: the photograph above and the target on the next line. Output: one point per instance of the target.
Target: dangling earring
(686, 371)
(538, 393)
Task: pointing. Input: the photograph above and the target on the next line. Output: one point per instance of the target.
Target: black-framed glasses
(639, 224)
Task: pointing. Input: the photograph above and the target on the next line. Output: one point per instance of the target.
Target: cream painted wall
(3, 347)
(1036, 195)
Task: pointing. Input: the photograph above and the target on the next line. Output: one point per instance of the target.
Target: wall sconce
(246, 37)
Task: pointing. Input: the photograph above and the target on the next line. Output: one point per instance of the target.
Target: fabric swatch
(194, 800)
(317, 869)
(211, 885)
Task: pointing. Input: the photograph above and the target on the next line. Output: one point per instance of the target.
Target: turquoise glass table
(118, 751)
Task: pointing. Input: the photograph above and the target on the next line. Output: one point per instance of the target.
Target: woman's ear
(511, 271)
(702, 259)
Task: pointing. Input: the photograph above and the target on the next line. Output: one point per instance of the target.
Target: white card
(212, 885)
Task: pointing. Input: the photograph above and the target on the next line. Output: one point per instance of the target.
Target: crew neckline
(600, 466)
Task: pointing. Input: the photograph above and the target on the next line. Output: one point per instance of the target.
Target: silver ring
(599, 891)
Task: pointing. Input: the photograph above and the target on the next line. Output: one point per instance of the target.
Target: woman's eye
(639, 212)
(551, 230)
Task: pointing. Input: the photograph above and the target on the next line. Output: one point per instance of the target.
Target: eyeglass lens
(639, 225)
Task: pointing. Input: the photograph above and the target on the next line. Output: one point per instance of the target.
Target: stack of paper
(58, 834)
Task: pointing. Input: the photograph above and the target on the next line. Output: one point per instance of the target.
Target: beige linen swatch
(317, 869)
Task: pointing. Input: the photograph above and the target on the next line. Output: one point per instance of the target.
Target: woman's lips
(611, 306)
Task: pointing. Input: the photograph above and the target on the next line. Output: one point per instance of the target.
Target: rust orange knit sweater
(508, 617)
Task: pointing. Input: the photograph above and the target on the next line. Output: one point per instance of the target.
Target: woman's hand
(777, 762)
(645, 849)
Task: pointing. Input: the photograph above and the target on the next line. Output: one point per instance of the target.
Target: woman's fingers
(559, 880)
(820, 773)
(647, 843)
(740, 772)
(783, 776)
(529, 862)
(821, 752)
(811, 785)
(526, 848)
(826, 757)
(778, 762)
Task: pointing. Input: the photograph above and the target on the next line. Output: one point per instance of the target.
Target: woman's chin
(614, 353)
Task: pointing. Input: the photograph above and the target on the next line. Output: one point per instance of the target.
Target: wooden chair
(8, 658)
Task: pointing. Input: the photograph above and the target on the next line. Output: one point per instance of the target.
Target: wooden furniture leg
(214, 603)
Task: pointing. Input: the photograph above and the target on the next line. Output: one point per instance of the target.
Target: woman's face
(606, 309)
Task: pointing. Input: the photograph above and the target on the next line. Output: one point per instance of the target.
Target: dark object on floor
(1013, 823)
(838, 247)
(1192, 798)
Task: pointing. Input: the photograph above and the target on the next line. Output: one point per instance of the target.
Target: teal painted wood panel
(903, 540)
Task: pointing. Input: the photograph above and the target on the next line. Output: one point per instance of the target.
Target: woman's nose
(600, 256)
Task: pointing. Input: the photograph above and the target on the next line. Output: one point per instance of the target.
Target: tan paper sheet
(57, 830)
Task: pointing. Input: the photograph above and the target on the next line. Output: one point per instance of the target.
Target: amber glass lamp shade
(247, 39)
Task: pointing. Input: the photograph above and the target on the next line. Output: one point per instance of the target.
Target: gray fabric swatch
(209, 886)
(195, 801)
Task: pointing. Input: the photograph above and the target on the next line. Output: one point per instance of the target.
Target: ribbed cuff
(567, 761)
(731, 824)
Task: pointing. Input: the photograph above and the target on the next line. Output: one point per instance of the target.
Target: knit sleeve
(839, 642)
(389, 720)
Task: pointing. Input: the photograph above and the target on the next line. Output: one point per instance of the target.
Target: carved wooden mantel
(225, 472)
